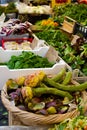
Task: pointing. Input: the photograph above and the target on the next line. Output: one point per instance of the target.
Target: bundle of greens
(77, 123)
(77, 12)
(55, 38)
(27, 60)
(2, 8)
(11, 8)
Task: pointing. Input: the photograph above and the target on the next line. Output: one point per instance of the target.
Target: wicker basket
(28, 118)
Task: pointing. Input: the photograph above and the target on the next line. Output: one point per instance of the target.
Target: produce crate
(3, 36)
(80, 30)
(6, 73)
(17, 40)
(28, 44)
(35, 42)
(14, 28)
(68, 25)
(37, 45)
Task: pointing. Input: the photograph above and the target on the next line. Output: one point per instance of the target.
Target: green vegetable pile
(2, 8)
(28, 60)
(75, 56)
(77, 123)
(54, 38)
(76, 11)
(11, 8)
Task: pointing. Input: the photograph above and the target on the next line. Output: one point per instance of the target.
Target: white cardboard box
(6, 54)
(6, 73)
(37, 46)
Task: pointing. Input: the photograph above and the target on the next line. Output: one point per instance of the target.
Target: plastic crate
(80, 30)
(3, 36)
(17, 40)
(6, 73)
(52, 56)
(38, 45)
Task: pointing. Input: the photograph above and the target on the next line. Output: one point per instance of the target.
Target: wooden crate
(68, 25)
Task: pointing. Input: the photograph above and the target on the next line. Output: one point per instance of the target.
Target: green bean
(71, 88)
(67, 78)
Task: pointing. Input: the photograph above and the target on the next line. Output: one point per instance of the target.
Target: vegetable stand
(63, 42)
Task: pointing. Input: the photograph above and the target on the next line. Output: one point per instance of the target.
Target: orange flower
(85, 127)
(49, 22)
(75, 128)
(44, 23)
(55, 24)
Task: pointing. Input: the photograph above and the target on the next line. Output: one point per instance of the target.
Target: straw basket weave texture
(29, 118)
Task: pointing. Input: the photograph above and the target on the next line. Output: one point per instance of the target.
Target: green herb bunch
(28, 60)
(11, 8)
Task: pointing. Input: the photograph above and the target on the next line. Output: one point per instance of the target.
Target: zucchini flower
(34, 79)
(27, 92)
(41, 75)
(11, 84)
(20, 80)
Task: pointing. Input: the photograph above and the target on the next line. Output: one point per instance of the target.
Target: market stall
(45, 83)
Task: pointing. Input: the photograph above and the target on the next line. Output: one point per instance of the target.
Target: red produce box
(17, 44)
